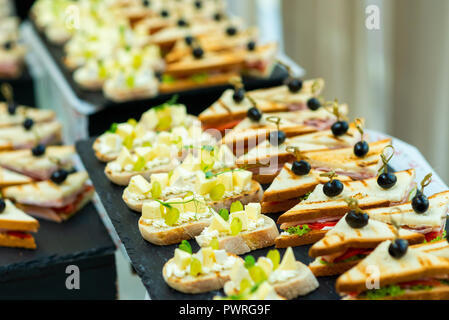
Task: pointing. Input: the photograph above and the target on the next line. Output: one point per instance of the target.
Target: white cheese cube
(124, 158)
(144, 152)
(239, 272)
(177, 203)
(151, 210)
(202, 185)
(227, 180)
(113, 141)
(164, 138)
(208, 257)
(162, 178)
(219, 224)
(150, 119)
(243, 218)
(139, 185)
(253, 211)
(124, 130)
(194, 204)
(178, 114)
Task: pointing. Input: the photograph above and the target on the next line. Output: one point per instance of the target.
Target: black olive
(313, 104)
(146, 3)
(198, 4)
(182, 23)
(2, 205)
(165, 13)
(38, 150)
(239, 95)
(218, 16)
(28, 124)
(59, 176)
(254, 114)
(188, 40)
(339, 128)
(294, 85)
(333, 188)
(231, 31)
(361, 148)
(251, 46)
(398, 248)
(301, 168)
(198, 52)
(387, 180)
(357, 220)
(420, 203)
(12, 106)
(277, 137)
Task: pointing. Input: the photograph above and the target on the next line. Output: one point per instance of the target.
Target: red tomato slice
(321, 225)
(424, 282)
(432, 235)
(224, 126)
(351, 253)
(18, 234)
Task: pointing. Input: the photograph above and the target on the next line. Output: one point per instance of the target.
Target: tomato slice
(222, 127)
(321, 225)
(423, 282)
(18, 234)
(351, 253)
(71, 206)
(432, 235)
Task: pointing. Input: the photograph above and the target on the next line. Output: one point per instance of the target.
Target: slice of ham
(297, 106)
(319, 124)
(287, 225)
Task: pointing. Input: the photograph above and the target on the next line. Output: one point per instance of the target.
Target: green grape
(132, 122)
(249, 261)
(236, 206)
(195, 267)
(257, 274)
(164, 123)
(156, 189)
(275, 258)
(147, 144)
(224, 214)
(137, 61)
(214, 244)
(185, 246)
(217, 192)
(245, 285)
(130, 81)
(140, 164)
(172, 216)
(236, 226)
(102, 72)
(207, 159)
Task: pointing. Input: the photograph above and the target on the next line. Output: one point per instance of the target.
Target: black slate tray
(97, 99)
(149, 259)
(82, 237)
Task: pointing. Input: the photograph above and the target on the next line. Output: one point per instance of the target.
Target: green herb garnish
(299, 230)
(113, 128)
(249, 261)
(388, 291)
(224, 214)
(185, 246)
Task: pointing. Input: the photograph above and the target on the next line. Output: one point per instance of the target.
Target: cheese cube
(242, 178)
(242, 216)
(288, 261)
(182, 258)
(253, 211)
(190, 163)
(113, 141)
(227, 180)
(177, 203)
(144, 152)
(164, 138)
(196, 205)
(266, 265)
(208, 257)
(124, 158)
(124, 130)
(162, 178)
(140, 131)
(202, 185)
(139, 185)
(150, 119)
(180, 132)
(195, 131)
(151, 210)
(265, 292)
(219, 224)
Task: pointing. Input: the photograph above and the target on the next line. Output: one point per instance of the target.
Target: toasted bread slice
(206, 80)
(10, 178)
(17, 137)
(367, 192)
(246, 241)
(210, 281)
(440, 292)
(414, 265)
(300, 285)
(22, 112)
(438, 248)
(284, 241)
(342, 237)
(255, 194)
(172, 235)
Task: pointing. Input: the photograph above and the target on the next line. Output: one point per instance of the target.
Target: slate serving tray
(148, 259)
(97, 98)
(81, 237)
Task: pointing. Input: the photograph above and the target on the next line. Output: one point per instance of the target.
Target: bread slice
(343, 237)
(277, 99)
(10, 178)
(122, 178)
(16, 137)
(200, 284)
(253, 195)
(247, 241)
(367, 192)
(414, 265)
(438, 293)
(438, 248)
(321, 269)
(172, 235)
(285, 241)
(300, 285)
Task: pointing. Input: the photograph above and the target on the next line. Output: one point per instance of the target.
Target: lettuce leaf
(299, 230)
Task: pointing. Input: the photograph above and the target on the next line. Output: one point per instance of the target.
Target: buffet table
(148, 259)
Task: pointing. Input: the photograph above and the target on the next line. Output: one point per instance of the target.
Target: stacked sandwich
(12, 52)
(37, 173)
(136, 49)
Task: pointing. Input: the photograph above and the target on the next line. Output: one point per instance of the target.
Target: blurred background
(396, 77)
